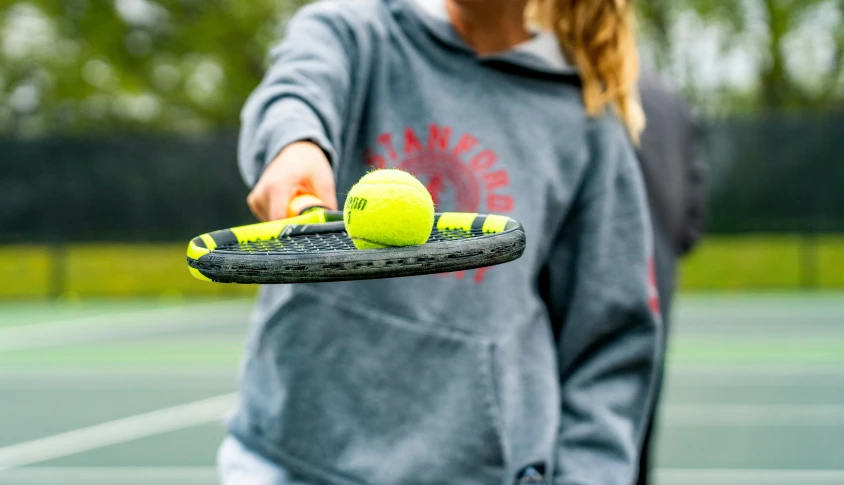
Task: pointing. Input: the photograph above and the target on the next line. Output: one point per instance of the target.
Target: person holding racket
(538, 371)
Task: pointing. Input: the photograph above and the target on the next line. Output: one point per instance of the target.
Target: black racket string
(332, 241)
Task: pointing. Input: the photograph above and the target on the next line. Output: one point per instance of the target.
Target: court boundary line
(98, 328)
(111, 475)
(219, 378)
(679, 370)
(679, 476)
(752, 415)
(87, 318)
(116, 432)
(747, 476)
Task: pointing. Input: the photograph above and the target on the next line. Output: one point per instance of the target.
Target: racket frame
(503, 241)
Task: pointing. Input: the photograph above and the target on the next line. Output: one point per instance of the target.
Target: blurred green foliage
(740, 56)
(82, 66)
(73, 66)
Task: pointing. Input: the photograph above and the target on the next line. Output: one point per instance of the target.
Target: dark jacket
(672, 160)
(671, 156)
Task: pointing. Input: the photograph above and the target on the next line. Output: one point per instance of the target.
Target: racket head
(314, 247)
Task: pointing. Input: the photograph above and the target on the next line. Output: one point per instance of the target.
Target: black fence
(776, 175)
(142, 188)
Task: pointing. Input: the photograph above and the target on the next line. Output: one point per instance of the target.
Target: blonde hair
(599, 37)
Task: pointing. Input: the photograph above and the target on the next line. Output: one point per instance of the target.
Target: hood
(542, 53)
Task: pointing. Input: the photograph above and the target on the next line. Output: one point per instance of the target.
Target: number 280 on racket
(314, 247)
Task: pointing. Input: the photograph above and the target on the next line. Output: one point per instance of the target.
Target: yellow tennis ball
(388, 208)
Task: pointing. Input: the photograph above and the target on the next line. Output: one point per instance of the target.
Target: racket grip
(303, 203)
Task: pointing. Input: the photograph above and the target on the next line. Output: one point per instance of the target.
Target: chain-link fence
(769, 178)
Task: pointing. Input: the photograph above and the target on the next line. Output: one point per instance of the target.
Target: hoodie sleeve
(304, 94)
(606, 316)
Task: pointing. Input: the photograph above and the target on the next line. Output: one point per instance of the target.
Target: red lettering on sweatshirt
(438, 138)
(653, 294)
(436, 187)
(484, 160)
(411, 142)
(465, 144)
(496, 180)
(460, 173)
(374, 160)
(386, 141)
(479, 275)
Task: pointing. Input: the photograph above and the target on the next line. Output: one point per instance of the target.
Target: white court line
(118, 431)
(738, 415)
(219, 378)
(118, 325)
(777, 322)
(107, 374)
(191, 475)
(754, 370)
(218, 385)
(678, 476)
(111, 475)
(681, 377)
(747, 383)
(107, 317)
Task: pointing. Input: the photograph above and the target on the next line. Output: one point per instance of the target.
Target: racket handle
(303, 203)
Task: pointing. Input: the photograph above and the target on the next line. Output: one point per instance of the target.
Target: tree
(79, 66)
(780, 43)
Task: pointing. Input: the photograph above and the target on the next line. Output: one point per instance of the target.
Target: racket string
(306, 243)
(449, 234)
(332, 241)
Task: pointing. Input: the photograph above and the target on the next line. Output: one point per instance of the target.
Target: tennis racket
(312, 246)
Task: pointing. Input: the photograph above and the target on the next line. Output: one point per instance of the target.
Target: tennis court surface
(133, 392)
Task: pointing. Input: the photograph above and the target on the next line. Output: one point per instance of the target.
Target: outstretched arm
(292, 123)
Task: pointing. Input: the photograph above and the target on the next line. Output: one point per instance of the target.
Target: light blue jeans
(238, 465)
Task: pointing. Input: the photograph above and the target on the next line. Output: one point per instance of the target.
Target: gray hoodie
(538, 368)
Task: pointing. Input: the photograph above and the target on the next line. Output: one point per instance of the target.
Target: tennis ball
(388, 208)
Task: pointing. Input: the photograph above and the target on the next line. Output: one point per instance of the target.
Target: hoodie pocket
(376, 399)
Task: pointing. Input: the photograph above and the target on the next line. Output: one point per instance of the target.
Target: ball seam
(421, 190)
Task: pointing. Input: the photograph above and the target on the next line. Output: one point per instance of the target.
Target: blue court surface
(134, 392)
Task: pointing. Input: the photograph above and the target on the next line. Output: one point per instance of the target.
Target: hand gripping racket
(313, 247)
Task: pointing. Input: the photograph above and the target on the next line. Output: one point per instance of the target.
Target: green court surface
(134, 392)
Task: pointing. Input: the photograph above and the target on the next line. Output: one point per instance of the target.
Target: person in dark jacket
(672, 161)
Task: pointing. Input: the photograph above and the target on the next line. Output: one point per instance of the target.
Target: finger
(278, 201)
(257, 203)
